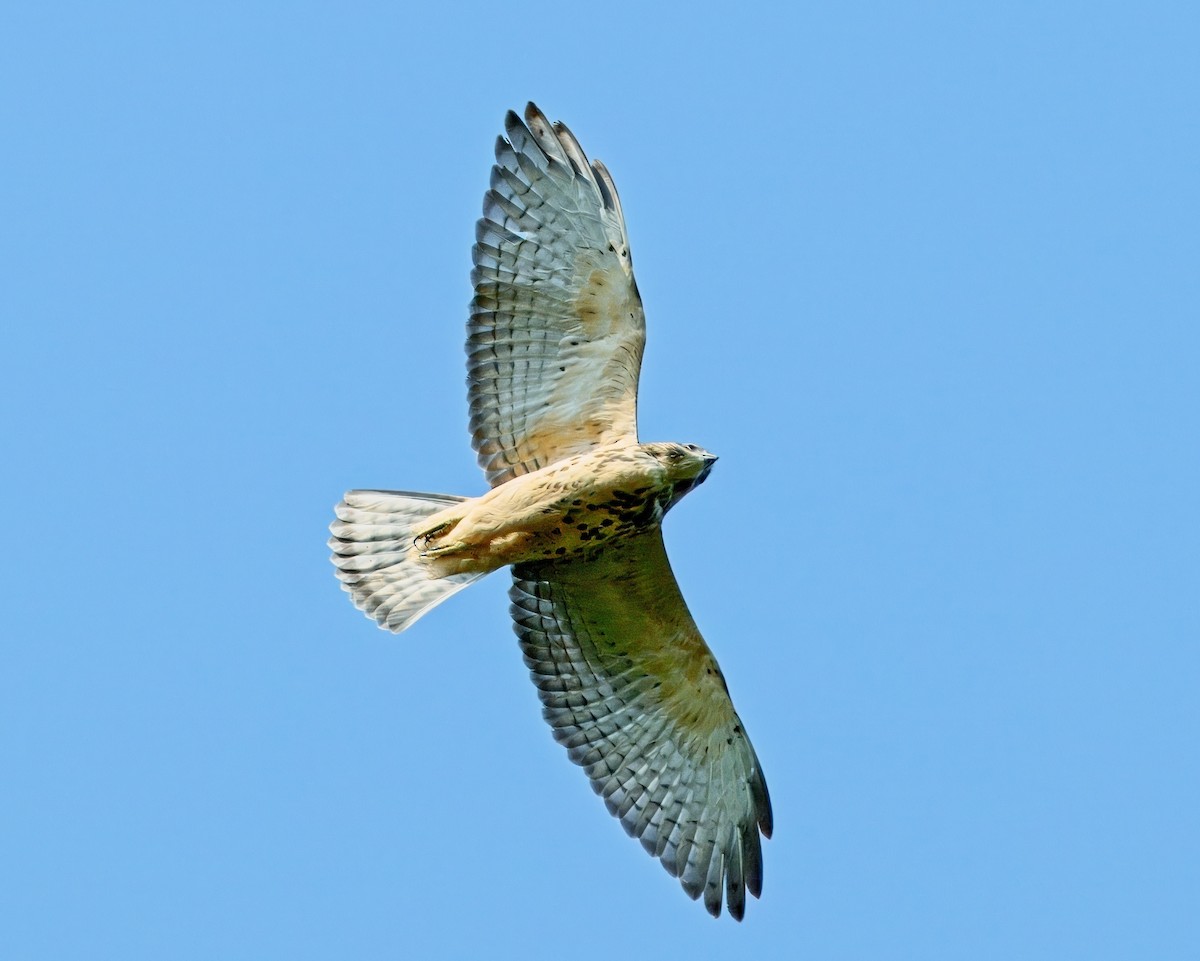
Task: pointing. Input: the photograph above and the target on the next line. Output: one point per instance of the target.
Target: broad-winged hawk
(626, 681)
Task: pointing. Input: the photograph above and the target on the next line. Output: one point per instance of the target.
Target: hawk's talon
(422, 540)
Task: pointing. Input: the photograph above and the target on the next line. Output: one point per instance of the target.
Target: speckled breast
(589, 521)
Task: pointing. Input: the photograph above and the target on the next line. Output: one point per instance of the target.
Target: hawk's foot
(423, 539)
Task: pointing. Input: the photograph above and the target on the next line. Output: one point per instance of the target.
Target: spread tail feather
(376, 561)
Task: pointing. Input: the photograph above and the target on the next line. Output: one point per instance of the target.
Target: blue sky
(924, 275)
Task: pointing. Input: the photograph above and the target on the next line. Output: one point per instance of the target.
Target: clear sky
(923, 274)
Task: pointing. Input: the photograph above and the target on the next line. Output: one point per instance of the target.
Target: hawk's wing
(556, 331)
(636, 697)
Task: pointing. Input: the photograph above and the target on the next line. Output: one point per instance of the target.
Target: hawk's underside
(626, 681)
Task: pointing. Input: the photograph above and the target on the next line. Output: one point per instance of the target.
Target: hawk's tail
(376, 561)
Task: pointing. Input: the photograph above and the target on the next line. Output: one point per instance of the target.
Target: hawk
(576, 505)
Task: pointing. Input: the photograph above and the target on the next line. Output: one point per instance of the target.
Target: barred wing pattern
(556, 332)
(634, 694)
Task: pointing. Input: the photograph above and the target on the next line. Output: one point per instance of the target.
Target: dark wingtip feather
(762, 802)
(752, 855)
(735, 888)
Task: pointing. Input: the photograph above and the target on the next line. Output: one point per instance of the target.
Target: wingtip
(766, 822)
(762, 801)
(533, 112)
(514, 130)
(712, 902)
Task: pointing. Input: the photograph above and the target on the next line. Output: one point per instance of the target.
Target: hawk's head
(687, 466)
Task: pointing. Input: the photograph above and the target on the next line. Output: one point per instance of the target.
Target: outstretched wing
(634, 694)
(556, 331)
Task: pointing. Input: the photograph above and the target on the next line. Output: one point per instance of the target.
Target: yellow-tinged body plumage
(573, 507)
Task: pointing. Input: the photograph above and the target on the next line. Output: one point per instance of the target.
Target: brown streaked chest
(579, 505)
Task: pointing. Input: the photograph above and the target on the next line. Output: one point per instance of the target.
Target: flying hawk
(554, 347)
